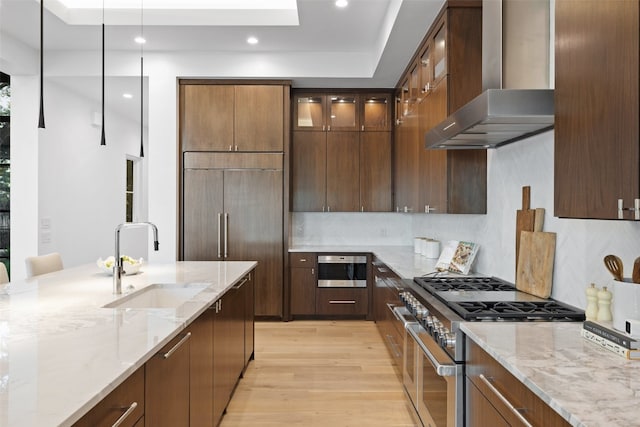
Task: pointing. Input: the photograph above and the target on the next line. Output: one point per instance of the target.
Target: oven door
(436, 383)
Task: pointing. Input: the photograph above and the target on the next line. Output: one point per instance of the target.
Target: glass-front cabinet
(440, 53)
(375, 115)
(316, 112)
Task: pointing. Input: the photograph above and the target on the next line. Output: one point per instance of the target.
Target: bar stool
(37, 265)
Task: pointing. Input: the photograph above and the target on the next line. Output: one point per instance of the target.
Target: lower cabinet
(167, 384)
(496, 398)
(125, 404)
(303, 282)
(189, 382)
(342, 301)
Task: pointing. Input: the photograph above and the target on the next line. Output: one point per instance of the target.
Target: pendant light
(141, 80)
(41, 119)
(103, 140)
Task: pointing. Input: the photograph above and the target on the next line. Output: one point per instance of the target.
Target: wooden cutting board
(535, 265)
(525, 219)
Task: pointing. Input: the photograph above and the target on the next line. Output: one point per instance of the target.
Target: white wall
(81, 184)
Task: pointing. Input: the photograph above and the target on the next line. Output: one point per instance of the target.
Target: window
(131, 187)
(5, 110)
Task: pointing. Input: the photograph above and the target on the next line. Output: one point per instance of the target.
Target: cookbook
(457, 256)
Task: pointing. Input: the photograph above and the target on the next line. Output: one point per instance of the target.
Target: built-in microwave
(342, 271)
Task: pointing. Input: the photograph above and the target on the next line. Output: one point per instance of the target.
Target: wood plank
(535, 266)
(319, 373)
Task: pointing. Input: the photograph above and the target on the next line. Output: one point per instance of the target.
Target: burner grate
(516, 310)
(444, 284)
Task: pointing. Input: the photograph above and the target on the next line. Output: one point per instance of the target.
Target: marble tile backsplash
(581, 244)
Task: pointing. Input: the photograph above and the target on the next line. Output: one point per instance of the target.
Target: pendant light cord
(142, 79)
(41, 118)
(103, 140)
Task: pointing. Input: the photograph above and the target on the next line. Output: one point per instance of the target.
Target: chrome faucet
(117, 267)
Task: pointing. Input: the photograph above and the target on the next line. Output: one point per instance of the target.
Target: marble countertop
(588, 385)
(400, 259)
(61, 352)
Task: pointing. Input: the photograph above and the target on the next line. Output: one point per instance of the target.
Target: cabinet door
(342, 301)
(308, 171)
(167, 385)
(433, 163)
(406, 158)
(201, 370)
(203, 207)
(480, 411)
(206, 122)
(375, 112)
(128, 395)
(343, 171)
(597, 148)
(309, 112)
(303, 291)
(253, 202)
(343, 112)
(375, 171)
(259, 118)
(248, 291)
(440, 51)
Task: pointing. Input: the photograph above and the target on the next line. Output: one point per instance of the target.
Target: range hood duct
(516, 101)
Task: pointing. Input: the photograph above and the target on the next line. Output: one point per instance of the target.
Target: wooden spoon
(614, 265)
(635, 277)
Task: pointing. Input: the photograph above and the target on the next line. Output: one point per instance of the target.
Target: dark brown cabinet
(201, 365)
(167, 384)
(341, 152)
(447, 69)
(303, 283)
(221, 117)
(342, 301)
(233, 210)
(125, 403)
(496, 397)
(385, 297)
(596, 133)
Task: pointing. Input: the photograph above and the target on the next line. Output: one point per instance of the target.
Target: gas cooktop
(490, 298)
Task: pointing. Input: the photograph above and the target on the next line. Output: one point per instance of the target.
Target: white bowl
(129, 267)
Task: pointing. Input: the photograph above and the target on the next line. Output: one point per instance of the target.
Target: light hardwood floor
(319, 373)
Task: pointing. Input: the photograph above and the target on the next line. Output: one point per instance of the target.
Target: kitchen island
(61, 352)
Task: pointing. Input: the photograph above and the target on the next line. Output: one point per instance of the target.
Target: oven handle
(442, 369)
(393, 310)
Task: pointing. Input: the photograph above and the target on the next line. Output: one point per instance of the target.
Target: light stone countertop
(588, 385)
(61, 352)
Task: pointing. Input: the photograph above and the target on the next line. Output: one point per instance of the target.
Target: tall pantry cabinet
(233, 139)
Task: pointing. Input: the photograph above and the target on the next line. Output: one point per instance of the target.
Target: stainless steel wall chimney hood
(516, 102)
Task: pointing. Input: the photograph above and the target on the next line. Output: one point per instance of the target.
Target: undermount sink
(158, 296)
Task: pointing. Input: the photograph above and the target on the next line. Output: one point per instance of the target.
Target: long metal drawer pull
(443, 370)
(226, 234)
(219, 230)
(124, 416)
(333, 301)
(394, 346)
(239, 285)
(505, 401)
(175, 347)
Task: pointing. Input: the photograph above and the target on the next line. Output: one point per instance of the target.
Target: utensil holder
(626, 303)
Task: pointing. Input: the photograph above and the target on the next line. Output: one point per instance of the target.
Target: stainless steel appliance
(433, 368)
(342, 271)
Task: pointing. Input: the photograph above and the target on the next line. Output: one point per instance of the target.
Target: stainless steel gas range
(434, 354)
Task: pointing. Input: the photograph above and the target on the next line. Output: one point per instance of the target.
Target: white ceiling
(388, 31)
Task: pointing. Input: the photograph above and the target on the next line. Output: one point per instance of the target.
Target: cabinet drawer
(341, 301)
(302, 260)
(127, 397)
(516, 403)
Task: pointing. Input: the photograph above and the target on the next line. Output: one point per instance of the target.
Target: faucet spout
(117, 267)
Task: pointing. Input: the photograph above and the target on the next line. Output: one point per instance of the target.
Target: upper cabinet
(222, 117)
(341, 152)
(446, 71)
(597, 139)
(319, 112)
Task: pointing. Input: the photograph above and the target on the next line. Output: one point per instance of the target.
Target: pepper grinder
(591, 313)
(604, 304)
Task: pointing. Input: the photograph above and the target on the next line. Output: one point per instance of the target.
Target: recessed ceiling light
(252, 40)
(341, 3)
(127, 95)
(140, 40)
